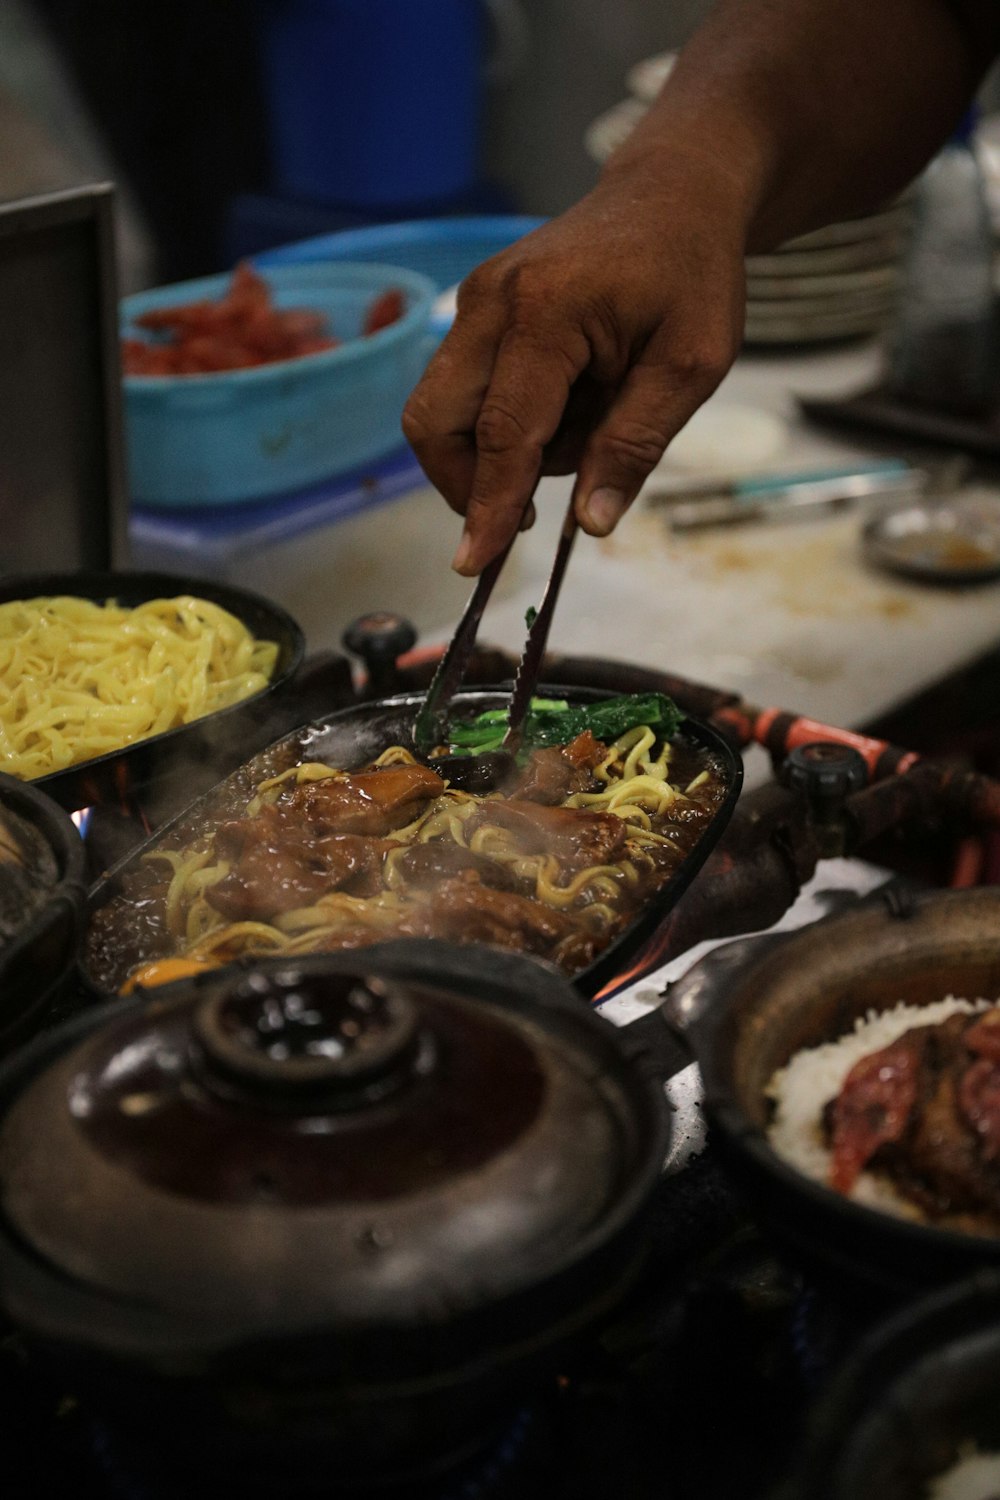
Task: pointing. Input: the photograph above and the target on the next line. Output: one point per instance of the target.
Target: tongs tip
(430, 726)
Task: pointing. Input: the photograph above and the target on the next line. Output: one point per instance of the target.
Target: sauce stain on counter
(814, 577)
(807, 662)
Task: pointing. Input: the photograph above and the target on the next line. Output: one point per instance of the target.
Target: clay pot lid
(346, 1140)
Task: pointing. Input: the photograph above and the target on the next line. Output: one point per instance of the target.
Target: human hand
(584, 347)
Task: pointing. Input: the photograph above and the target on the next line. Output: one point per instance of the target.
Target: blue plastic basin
(446, 250)
(243, 435)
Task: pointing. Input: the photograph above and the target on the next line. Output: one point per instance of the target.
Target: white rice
(976, 1476)
(816, 1075)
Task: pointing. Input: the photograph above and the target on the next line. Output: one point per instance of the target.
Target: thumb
(652, 406)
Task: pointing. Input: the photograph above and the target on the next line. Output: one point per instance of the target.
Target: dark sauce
(129, 929)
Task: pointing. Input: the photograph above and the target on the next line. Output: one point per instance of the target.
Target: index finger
(520, 413)
(439, 420)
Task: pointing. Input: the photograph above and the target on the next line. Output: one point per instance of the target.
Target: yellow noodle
(641, 791)
(201, 919)
(494, 843)
(79, 678)
(651, 836)
(598, 917)
(635, 789)
(309, 770)
(451, 823)
(177, 889)
(396, 755)
(390, 874)
(202, 880)
(603, 878)
(382, 908)
(174, 857)
(250, 934)
(637, 757)
(443, 807)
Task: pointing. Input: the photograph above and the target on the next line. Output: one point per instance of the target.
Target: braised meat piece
(925, 1111)
(554, 774)
(440, 859)
(585, 751)
(466, 911)
(577, 951)
(983, 1036)
(979, 1104)
(373, 802)
(278, 864)
(576, 838)
(873, 1106)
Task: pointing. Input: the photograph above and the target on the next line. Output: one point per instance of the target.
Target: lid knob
(380, 638)
(294, 1040)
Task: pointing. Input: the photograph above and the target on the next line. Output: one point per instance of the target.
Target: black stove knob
(380, 639)
(825, 771)
(826, 774)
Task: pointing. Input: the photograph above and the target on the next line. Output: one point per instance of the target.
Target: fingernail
(604, 508)
(460, 562)
(528, 519)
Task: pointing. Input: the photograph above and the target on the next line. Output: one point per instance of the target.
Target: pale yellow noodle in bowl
(79, 679)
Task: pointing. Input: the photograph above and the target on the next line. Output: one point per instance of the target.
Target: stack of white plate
(838, 282)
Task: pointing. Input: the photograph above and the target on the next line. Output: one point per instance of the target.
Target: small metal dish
(938, 541)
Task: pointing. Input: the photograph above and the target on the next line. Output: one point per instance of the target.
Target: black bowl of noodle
(852, 1078)
(114, 685)
(42, 903)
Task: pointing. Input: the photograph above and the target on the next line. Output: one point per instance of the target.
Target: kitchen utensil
(778, 486)
(430, 727)
(792, 502)
(538, 633)
(431, 721)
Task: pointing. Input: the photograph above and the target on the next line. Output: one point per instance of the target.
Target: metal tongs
(480, 772)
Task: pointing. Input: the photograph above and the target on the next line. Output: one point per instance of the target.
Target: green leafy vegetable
(530, 615)
(553, 721)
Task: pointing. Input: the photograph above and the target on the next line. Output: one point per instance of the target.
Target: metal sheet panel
(62, 486)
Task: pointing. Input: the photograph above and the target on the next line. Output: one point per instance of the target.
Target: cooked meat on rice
(903, 1113)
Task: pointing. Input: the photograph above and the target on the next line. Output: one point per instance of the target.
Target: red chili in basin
(239, 330)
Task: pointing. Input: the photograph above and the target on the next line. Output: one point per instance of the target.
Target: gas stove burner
(823, 1329)
(498, 1471)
